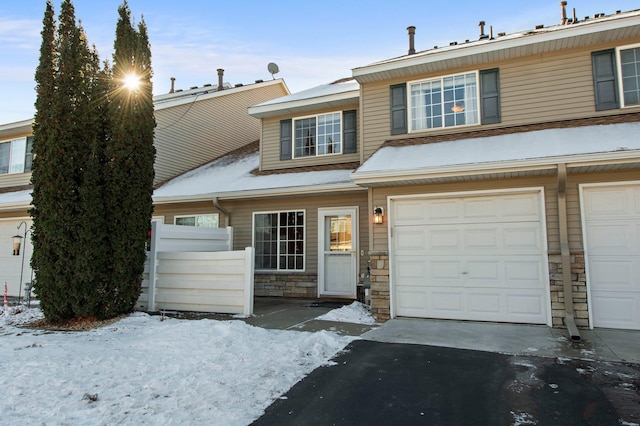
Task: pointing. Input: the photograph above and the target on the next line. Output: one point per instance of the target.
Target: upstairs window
(630, 75)
(444, 102)
(15, 155)
(318, 135)
(616, 77)
(465, 99)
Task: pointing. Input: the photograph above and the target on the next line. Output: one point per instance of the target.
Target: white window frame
(195, 216)
(304, 240)
(316, 116)
(441, 79)
(13, 166)
(620, 76)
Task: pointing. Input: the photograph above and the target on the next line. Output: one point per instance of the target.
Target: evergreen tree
(63, 124)
(130, 156)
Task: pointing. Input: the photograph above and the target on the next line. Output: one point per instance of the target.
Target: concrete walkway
(515, 339)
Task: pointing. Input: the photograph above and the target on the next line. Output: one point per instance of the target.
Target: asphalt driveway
(377, 383)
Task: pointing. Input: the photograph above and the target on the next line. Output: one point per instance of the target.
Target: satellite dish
(273, 69)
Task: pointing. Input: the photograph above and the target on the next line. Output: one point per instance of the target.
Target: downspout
(565, 253)
(217, 205)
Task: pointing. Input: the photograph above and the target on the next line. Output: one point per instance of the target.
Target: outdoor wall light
(378, 215)
(17, 242)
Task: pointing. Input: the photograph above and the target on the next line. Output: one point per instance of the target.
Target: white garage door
(611, 219)
(9, 264)
(471, 258)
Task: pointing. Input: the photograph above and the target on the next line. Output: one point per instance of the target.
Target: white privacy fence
(194, 269)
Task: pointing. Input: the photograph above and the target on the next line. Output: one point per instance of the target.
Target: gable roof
(602, 29)
(524, 150)
(235, 176)
(333, 95)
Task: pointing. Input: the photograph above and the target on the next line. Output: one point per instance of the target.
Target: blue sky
(312, 42)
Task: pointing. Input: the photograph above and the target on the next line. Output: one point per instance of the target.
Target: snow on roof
(519, 35)
(15, 198)
(535, 145)
(229, 175)
(335, 88)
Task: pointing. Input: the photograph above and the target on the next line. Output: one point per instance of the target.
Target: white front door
(337, 252)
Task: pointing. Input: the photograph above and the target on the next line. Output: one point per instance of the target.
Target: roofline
(571, 161)
(261, 193)
(497, 44)
(201, 93)
(261, 111)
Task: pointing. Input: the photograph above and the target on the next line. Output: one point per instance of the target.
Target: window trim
(293, 135)
(217, 215)
(619, 77)
(410, 128)
(304, 241)
(23, 154)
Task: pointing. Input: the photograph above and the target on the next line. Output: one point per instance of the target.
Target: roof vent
(220, 76)
(563, 5)
(483, 36)
(539, 27)
(453, 43)
(412, 32)
(173, 81)
(259, 81)
(193, 87)
(206, 85)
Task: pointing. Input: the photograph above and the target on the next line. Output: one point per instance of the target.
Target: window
(279, 240)
(318, 135)
(15, 155)
(444, 102)
(616, 77)
(630, 75)
(448, 101)
(202, 221)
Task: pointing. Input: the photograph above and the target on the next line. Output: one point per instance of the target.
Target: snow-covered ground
(144, 370)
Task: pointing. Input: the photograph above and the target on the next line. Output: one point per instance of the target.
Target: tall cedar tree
(130, 156)
(64, 132)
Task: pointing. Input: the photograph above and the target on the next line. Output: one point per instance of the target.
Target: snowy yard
(144, 370)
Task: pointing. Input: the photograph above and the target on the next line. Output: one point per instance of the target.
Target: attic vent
(206, 85)
(259, 81)
(193, 87)
(539, 27)
(453, 43)
(483, 36)
(238, 85)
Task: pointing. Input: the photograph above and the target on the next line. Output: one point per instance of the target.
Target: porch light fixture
(17, 243)
(378, 215)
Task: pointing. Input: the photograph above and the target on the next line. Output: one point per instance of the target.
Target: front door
(338, 252)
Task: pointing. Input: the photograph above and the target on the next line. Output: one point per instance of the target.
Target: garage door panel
(463, 260)
(463, 240)
(612, 234)
(616, 312)
(459, 210)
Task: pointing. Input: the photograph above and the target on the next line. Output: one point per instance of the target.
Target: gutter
(565, 252)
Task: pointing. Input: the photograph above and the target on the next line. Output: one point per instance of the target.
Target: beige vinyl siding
(193, 134)
(270, 145)
(539, 88)
(15, 179)
(241, 213)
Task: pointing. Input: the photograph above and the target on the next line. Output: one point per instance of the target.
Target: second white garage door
(470, 257)
(611, 223)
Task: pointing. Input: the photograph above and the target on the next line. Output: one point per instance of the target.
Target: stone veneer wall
(380, 303)
(381, 308)
(579, 287)
(286, 285)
